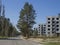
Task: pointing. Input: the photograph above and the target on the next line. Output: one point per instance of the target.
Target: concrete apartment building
(53, 26)
(41, 29)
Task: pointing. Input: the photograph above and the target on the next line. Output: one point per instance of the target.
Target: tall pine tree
(26, 19)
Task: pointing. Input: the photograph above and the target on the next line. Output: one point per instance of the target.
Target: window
(44, 25)
(57, 22)
(49, 22)
(53, 25)
(53, 22)
(57, 29)
(48, 18)
(57, 18)
(48, 28)
(52, 18)
(48, 25)
(57, 25)
(39, 25)
(53, 28)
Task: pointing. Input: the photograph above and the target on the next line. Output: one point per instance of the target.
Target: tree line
(6, 27)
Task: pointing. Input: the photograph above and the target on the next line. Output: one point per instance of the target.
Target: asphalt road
(17, 42)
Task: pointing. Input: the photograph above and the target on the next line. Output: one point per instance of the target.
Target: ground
(17, 42)
(31, 41)
(52, 43)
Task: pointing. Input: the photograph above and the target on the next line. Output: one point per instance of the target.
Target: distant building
(42, 29)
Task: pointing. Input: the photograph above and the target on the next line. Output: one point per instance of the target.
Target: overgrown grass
(4, 37)
(53, 43)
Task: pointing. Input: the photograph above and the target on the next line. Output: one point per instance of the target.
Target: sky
(43, 9)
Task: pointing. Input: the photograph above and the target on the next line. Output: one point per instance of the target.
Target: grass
(2, 37)
(53, 43)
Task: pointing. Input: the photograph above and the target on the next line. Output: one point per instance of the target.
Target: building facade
(41, 29)
(53, 26)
